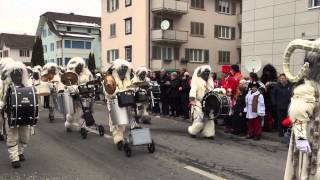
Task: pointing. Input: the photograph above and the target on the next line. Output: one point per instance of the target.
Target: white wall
(15, 54)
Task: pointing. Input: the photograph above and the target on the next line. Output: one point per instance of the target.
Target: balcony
(169, 36)
(169, 7)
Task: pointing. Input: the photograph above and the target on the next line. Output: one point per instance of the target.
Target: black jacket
(174, 88)
(281, 96)
(240, 103)
(163, 87)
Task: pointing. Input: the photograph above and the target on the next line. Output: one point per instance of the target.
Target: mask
(79, 68)
(205, 75)
(142, 76)
(16, 77)
(52, 70)
(36, 76)
(122, 72)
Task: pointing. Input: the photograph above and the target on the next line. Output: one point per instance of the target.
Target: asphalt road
(55, 154)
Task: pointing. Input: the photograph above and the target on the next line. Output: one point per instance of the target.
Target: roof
(17, 41)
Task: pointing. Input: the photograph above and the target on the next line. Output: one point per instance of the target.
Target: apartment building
(17, 46)
(268, 26)
(65, 36)
(171, 34)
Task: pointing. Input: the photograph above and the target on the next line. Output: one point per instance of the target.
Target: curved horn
(293, 45)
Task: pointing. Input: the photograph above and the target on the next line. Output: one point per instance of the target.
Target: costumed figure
(303, 160)
(121, 71)
(142, 107)
(75, 120)
(14, 74)
(201, 84)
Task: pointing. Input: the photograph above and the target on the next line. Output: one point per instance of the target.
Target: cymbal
(109, 84)
(69, 78)
(47, 77)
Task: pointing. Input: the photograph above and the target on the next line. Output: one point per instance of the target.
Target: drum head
(211, 104)
(47, 77)
(69, 78)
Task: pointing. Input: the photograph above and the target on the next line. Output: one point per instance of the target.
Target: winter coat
(254, 105)
(281, 96)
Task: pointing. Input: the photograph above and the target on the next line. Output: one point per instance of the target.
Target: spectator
(239, 121)
(281, 97)
(184, 95)
(174, 98)
(253, 77)
(215, 80)
(235, 70)
(164, 82)
(255, 110)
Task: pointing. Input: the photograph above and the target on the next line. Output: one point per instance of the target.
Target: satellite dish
(252, 64)
(165, 25)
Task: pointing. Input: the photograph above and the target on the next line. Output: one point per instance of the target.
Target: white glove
(303, 145)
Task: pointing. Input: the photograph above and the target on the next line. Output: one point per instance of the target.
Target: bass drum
(215, 105)
(66, 104)
(119, 115)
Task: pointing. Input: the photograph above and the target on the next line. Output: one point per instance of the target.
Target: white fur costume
(75, 120)
(18, 137)
(199, 88)
(118, 130)
(142, 107)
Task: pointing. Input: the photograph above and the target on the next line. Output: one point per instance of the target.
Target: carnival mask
(122, 72)
(52, 70)
(79, 69)
(205, 74)
(16, 77)
(36, 76)
(142, 75)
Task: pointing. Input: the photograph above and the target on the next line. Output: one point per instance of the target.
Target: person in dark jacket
(281, 98)
(174, 98)
(239, 121)
(164, 82)
(184, 95)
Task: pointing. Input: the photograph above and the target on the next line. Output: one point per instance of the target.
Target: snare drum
(43, 89)
(141, 96)
(119, 115)
(66, 104)
(86, 90)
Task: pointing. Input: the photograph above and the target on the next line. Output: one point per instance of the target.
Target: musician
(121, 72)
(18, 137)
(201, 84)
(141, 77)
(52, 69)
(75, 120)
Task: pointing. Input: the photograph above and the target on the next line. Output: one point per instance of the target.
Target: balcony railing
(169, 36)
(170, 7)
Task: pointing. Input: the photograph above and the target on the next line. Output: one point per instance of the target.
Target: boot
(21, 157)
(16, 164)
(120, 145)
(1, 137)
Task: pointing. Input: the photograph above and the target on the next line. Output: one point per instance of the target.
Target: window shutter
(201, 29)
(206, 56)
(233, 33)
(176, 53)
(216, 31)
(217, 5)
(117, 54)
(228, 57)
(187, 54)
(108, 56)
(117, 4)
(202, 4)
(153, 52)
(233, 7)
(192, 28)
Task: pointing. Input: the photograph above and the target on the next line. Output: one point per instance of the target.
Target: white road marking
(203, 173)
(96, 132)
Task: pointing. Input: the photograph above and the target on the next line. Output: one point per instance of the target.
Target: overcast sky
(22, 16)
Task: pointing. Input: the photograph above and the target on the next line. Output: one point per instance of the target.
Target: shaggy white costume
(75, 120)
(17, 138)
(199, 88)
(118, 130)
(142, 111)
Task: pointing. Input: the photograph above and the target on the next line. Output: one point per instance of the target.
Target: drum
(66, 104)
(141, 96)
(215, 105)
(43, 89)
(154, 87)
(86, 90)
(119, 115)
(21, 106)
(126, 98)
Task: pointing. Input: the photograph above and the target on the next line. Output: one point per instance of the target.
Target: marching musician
(17, 137)
(141, 77)
(121, 72)
(201, 84)
(76, 120)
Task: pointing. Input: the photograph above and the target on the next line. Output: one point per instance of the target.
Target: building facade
(268, 26)
(65, 36)
(17, 46)
(193, 32)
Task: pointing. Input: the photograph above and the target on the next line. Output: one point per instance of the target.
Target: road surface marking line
(96, 132)
(203, 173)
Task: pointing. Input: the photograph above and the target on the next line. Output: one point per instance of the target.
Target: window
(128, 53)
(67, 44)
(112, 5)
(45, 48)
(89, 30)
(88, 45)
(59, 44)
(128, 3)
(128, 26)
(224, 32)
(197, 29)
(66, 60)
(59, 61)
(314, 3)
(224, 57)
(112, 55)
(164, 53)
(68, 28)
(112, 30)
(51, 46)
(24, 53)
(197, 55)
(156, 52)
(224, 6)
(197, 4)
(77, 45)
(5, 53)
(44, 33)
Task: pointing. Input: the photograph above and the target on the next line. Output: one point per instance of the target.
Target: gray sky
(22, 16)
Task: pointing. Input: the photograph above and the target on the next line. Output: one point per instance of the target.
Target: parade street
(55, 154)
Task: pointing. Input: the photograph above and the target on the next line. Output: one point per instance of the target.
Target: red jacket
(230, 82)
